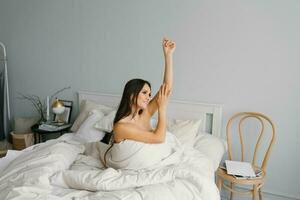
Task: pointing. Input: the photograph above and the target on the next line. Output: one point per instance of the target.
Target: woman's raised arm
(169, 47)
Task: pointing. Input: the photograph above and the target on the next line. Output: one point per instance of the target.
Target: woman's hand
(163, 97)
(168, 46)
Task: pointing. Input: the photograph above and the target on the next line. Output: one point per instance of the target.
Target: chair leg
(260, 194)
(254, 192)
(231, 193)
(219, 184)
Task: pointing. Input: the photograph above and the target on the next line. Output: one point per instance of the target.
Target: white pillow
(212, 146)
(185, 130)
(85, 107)
(87, 132)
(106, 123)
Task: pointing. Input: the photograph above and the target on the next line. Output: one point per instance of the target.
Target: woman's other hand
(168, 46)
(163, 97)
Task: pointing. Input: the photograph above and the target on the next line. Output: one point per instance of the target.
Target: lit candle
(48, 114)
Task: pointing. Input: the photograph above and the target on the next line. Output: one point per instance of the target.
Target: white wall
(243, 54)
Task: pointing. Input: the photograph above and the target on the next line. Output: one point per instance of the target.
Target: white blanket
(68, 169)
(130, 154)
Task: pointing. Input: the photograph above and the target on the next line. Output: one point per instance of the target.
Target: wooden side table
(39, 133)
(22, 140)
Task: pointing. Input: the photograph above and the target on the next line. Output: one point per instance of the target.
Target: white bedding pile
(130, 154)
(68, 168)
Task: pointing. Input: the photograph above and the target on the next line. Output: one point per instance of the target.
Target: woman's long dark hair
(129, 98)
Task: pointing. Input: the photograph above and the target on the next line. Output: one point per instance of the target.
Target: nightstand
(40, 133)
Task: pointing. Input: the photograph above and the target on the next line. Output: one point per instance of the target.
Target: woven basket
(22, 140)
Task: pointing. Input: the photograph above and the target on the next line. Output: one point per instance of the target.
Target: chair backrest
(238, 121)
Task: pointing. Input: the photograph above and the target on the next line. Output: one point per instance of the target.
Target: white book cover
(239, 168)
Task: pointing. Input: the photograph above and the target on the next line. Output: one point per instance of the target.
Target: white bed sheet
(181, 188)
(10, 155)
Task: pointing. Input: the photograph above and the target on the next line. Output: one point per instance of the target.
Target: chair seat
(221, 173)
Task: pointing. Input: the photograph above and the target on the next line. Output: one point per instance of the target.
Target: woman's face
(144, 97)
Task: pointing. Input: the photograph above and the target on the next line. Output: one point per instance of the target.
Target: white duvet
(66, 168)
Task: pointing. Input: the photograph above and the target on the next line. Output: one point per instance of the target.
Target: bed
(69, 167)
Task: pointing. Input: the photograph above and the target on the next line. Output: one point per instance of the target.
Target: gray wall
(242, 54)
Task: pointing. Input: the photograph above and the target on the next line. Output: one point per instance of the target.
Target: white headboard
(177, 109)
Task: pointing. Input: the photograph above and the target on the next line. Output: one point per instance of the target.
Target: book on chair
(238, 168)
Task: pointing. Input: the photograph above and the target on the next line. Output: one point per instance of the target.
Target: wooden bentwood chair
(256, 183)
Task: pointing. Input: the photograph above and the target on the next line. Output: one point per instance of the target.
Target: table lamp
(58, 107)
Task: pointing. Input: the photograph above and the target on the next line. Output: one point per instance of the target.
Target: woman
(132, 120)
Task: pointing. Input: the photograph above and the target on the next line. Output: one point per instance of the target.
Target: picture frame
(65, 117)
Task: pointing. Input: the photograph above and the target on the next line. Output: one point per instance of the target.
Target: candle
(48, 114)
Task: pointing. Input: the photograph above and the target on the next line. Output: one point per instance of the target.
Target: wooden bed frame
(210, 113)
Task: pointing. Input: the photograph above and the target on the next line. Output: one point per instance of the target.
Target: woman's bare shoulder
(122, 126)
(126, 124)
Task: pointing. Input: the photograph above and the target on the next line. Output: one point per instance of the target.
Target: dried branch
(37, 103)
(59, 91)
